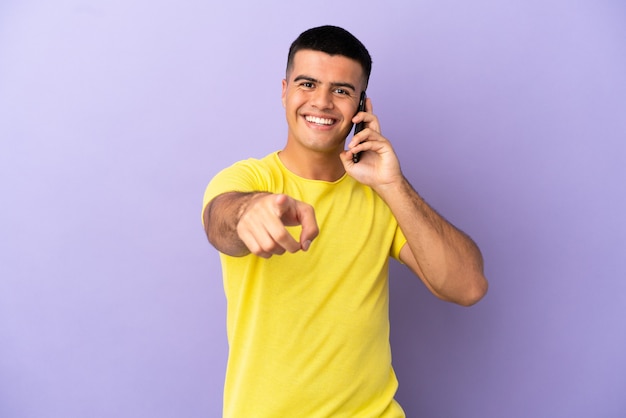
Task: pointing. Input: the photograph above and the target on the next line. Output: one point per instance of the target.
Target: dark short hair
(332, 40)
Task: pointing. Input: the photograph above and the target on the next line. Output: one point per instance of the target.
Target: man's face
(321, 96)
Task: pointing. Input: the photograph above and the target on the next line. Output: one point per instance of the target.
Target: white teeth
(319, 121)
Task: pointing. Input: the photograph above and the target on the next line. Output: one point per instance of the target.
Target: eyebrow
(333, 84)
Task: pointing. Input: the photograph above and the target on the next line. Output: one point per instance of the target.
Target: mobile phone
(359, 126)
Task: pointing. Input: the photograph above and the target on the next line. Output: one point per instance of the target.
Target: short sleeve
(398, 242)
(244, 176)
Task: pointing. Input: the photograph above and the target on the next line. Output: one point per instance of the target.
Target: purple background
(509, 117)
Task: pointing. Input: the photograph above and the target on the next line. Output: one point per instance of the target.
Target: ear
(284, 94)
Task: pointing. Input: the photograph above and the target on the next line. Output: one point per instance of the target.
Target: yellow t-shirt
(309, 332)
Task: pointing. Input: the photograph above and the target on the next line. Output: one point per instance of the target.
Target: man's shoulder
(252, 174)
(270, 161)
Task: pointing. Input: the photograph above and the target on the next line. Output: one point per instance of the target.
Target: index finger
(368, 116)
(369, 108)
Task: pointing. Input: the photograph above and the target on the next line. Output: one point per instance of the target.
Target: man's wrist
(245, 203)
(389, 189)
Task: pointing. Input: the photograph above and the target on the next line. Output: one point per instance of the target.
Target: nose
(322, 99)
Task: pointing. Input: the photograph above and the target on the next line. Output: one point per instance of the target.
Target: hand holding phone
(359, 126)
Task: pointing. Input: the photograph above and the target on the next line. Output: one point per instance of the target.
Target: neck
(313, 165)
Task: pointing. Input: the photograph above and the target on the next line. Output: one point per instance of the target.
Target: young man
(305, 235)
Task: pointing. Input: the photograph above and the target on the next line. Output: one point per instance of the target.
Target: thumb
(281, 200)
(281, 204)
(287, 209)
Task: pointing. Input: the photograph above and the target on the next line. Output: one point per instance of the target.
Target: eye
(307, 84)
(342, 91)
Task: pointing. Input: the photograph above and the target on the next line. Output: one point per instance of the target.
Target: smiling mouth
(319, 121)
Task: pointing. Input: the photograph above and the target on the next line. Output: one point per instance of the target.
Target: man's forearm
(221, 216)
(447, 259)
